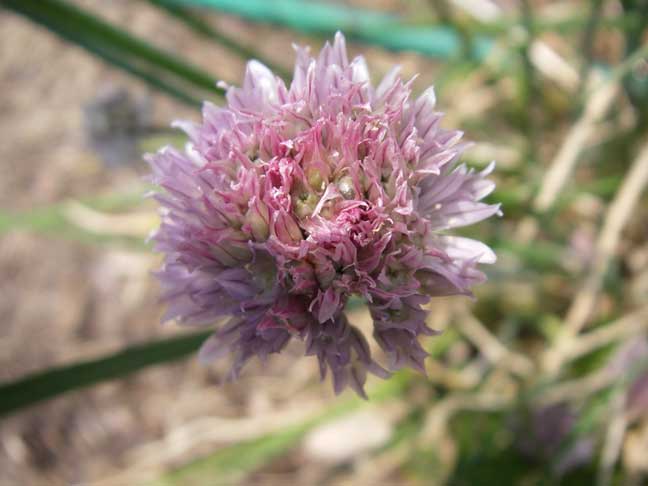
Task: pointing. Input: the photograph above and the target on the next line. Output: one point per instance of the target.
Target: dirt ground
(61, 300)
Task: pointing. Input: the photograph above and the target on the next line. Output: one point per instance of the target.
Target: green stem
(116, 46)
(205, 29)
(315, 17)
(593, 22)
(56, 381)
(446, 15)
(635, 83)
(529, 91)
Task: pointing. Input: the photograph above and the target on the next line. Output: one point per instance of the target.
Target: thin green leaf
(540, 255)
(204, 28)
(366, 25)
(53, 220)
(108, 55)
(56, 381)
(157, 67)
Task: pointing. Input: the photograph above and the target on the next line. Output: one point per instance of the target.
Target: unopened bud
(257, 219)
(286, 228)
(346, 187)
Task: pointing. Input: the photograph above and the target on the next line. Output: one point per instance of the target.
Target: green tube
(369, 26)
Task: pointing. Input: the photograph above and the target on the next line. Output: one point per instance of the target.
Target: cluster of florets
(289, 200)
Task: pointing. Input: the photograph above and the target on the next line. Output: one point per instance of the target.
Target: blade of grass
(363, 24)
(108, 55)
(587, 46)
(93, 26)
(529, 87)
(204, 28)
(634, 82)
(113, 44)
(448, 16)
(53, 382)
(53, 219)
(312, 16)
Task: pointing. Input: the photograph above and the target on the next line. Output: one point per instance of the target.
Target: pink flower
(291, 199)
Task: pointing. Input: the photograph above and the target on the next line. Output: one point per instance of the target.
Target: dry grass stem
(137, 225)
(623, 328)
(613, 441)
(482, 10)
(490, 346)
(578, 389)
(464, 379)
(438, 418)
(618, 214)
(577, 138)
(551, 65)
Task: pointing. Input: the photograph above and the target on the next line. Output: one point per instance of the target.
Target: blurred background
(543, 379)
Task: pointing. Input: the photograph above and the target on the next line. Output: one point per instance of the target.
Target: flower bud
(286, 228)
(257, 220)
(346, 187)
